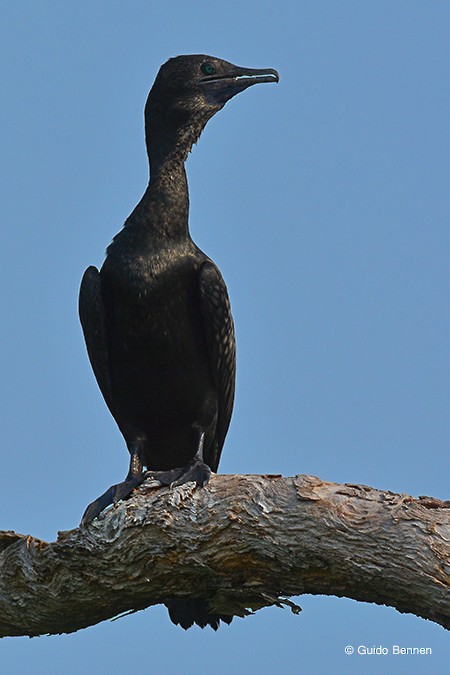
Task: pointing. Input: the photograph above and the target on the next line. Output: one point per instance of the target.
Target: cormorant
(156, 318)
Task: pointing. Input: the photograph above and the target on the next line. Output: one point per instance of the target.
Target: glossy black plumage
(156, 318)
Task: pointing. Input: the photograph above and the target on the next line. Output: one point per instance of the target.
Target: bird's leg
(115, 493)
(196, 470)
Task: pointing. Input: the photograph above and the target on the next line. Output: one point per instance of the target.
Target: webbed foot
(120, 491)
(96, 507)
(113, 495)
(196, 471)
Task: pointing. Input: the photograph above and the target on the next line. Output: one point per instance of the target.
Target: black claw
(123, 490)
(196, 471)
(113, 495)
(96, 507)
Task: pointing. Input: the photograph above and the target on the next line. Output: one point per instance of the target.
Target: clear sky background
(325, 202)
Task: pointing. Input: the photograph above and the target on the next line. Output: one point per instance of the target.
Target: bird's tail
(185, 613)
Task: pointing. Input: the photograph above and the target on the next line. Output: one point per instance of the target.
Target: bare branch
(243, 542)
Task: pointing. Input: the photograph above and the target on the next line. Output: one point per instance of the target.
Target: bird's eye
(208, 68)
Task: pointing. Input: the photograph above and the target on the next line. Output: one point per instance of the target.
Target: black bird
(156, 318)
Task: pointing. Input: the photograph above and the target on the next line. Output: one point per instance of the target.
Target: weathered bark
(243, 542)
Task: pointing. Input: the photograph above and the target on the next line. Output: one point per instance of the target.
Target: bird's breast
(158, 351)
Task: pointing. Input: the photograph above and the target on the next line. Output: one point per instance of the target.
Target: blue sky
(324, 201)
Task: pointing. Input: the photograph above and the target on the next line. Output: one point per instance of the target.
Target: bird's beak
(219, 89)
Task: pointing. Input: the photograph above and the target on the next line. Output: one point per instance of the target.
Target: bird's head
(189, 90)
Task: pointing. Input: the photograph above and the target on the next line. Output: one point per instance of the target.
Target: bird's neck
(164, 207)
(168, 193)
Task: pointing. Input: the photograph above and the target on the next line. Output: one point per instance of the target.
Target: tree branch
(243, 542)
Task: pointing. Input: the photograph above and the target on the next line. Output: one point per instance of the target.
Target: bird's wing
(92, 317)
(221, 347)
